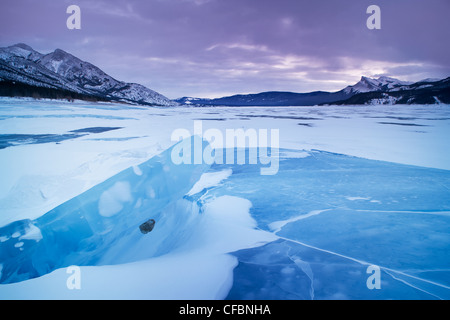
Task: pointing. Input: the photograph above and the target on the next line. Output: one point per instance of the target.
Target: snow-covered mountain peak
(191, 100)
(367, 84)
(60, 54)
(430, 80)
(60, 70)
(19, 50)
(392, 82)
(74, 69)
(22, 46)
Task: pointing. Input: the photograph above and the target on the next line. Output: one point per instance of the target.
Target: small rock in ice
(147, 226)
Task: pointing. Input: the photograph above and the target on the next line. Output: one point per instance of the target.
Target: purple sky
(212, 48)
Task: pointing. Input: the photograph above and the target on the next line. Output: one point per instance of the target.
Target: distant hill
(383, 90)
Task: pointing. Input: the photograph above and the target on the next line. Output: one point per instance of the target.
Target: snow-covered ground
(357, 186)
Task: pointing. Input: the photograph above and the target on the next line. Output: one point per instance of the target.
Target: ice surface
(351, 191)
(287, 270)
(358, 211)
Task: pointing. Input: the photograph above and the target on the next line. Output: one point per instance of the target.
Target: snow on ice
(351, 192)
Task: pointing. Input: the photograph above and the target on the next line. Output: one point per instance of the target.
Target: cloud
(241, 46)
(190, 47)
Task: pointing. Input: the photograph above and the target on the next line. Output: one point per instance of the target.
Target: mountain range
(384, 90)
(60, 75)
(25, 72)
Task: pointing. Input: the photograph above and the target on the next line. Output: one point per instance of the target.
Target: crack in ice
(306, 268)
(276, 226)
(365, 263)
(412, 286)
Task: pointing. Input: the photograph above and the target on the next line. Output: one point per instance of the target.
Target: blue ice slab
(323, 180)
(289, 271)
(84, 229)
(8, 140)
(399, 240)
(356, 210)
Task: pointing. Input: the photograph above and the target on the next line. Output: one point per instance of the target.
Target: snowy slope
(390, 91)
(60, 70)
(383, 83)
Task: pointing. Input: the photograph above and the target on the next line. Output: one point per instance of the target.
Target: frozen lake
(357, 186)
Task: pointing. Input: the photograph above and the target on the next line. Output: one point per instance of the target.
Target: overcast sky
(212, 48)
